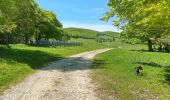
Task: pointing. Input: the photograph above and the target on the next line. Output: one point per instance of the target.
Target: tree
(21, 20)
(49, 26)
(7, 14)
(28, 13)
(145, 19)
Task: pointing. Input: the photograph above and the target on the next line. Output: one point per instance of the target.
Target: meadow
(89, 34)
(114, 74)
(21, 60)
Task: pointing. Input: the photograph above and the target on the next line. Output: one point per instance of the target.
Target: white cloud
(98, 9)
(97, 27)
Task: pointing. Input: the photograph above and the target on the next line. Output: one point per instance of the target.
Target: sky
(79, 13)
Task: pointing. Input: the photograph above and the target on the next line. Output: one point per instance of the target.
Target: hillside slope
(89, 34)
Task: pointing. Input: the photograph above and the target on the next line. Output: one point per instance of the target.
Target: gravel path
(67, 79)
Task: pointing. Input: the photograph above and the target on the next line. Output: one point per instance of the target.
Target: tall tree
(142, 18)
(27, 18)
(7, 15)
(21, 20)
(49, 26)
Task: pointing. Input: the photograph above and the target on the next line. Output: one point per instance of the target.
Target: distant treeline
(24, 20)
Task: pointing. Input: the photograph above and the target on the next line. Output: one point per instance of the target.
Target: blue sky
(79, 13)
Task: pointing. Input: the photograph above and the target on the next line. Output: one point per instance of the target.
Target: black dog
(138, 70)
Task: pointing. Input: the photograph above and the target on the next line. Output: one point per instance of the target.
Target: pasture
(115, 76)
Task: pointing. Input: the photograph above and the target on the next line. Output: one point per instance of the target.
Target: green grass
(114, 74)
(20, 60)
(79, 32)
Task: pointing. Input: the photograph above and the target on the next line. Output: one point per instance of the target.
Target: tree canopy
(144, 19)
(21, 20)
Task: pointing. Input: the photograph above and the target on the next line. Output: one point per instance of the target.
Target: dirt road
(67, 79)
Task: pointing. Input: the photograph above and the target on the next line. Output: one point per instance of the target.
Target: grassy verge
(20, 60)
(114, 74)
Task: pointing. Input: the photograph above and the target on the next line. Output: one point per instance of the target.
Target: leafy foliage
(142, 19)
(21, 20)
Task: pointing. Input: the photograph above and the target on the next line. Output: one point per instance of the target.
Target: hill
(81, 33)
(110, 33)
(89, 34)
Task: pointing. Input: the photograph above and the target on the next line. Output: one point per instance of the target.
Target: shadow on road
(74, 64)
(36, 59)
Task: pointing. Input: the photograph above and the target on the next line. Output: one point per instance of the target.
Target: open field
(20, 60)
(115, 76)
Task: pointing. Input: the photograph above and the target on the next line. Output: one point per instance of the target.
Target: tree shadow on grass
(35, 59)
(152, 64)
(167, 75)
(142, 51)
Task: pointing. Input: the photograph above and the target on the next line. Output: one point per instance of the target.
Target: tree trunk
(7, 40)
(26, 39)
(36, 37)
(46, 38)
(160, 47)
(150, 45)
(39, 37)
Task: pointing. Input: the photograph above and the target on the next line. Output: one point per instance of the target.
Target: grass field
(20, 60)
(115, 77)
